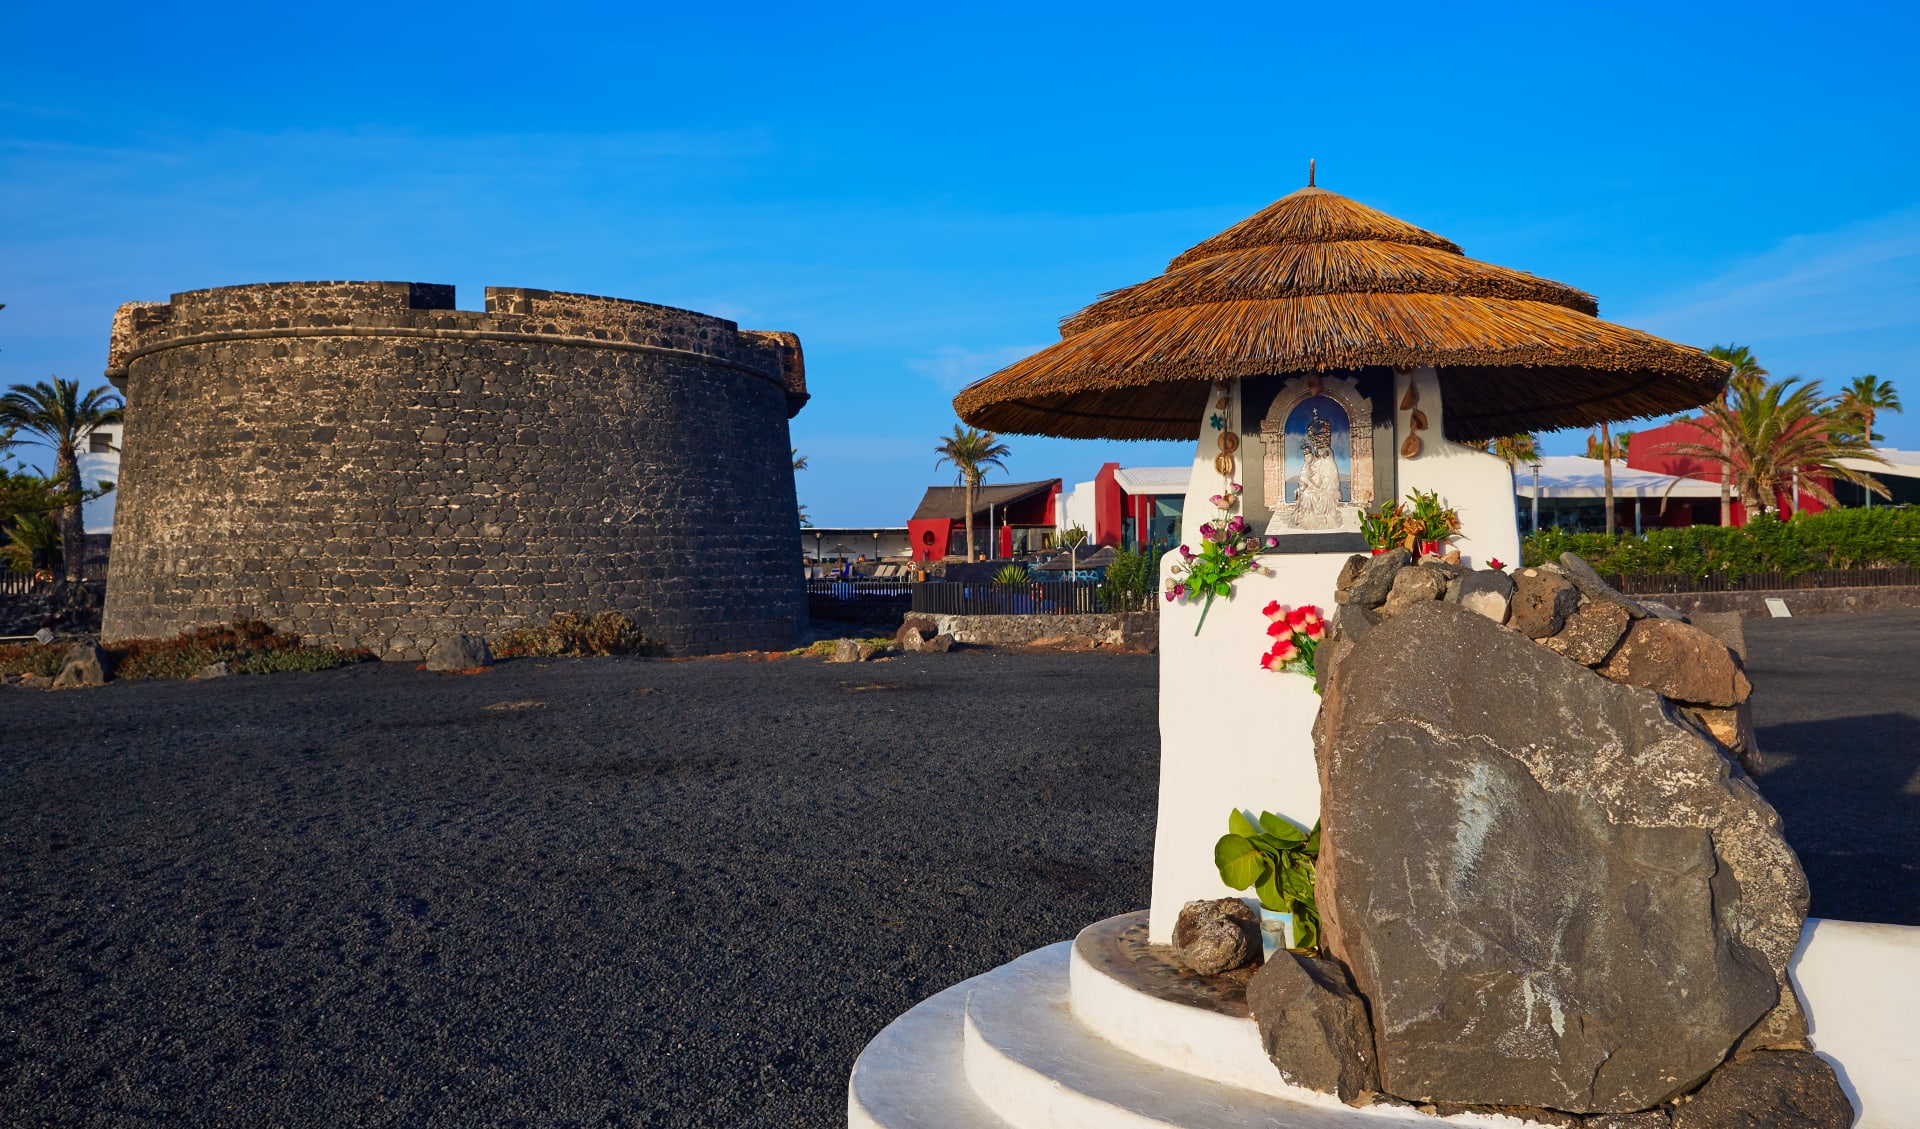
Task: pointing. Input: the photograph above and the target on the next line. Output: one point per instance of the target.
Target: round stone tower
(365, 465)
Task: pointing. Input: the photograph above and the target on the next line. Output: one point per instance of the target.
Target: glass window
(100, 443)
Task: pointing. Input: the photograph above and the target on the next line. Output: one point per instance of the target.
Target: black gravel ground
(656, 893)
(622, 892)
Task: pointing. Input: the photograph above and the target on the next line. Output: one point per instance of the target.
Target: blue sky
(921, 193)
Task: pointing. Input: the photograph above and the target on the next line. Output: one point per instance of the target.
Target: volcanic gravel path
(619, 892)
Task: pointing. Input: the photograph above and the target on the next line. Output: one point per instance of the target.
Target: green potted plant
(1421, 524)
(1276, 860)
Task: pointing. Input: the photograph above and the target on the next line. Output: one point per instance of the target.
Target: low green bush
(1131, 580)
(1882, 537)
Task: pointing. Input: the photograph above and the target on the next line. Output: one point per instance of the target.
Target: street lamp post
(1536, 498)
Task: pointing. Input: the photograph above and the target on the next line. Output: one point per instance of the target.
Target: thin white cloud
(953, 367)
(1861, 278)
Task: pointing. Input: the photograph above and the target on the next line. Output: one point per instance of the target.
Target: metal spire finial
(1309, 172)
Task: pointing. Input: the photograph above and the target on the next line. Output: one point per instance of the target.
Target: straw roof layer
(1315, 283)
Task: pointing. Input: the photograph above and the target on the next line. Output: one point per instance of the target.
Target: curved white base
(1055, 1040)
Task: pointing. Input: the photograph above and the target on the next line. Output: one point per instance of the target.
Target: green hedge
(1882, 537)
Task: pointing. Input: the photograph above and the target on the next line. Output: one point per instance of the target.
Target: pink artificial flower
(1234, 487)
(1237, 525)
(1317, 631)
(1169, 595)
(1272, 607)
(1230, 550)
(1284, 651)
(1278, 628)
(1186, 552)
(1495, 563)
(1269, 662)
(1218, 502)
(1206, 530)
(1273, 542)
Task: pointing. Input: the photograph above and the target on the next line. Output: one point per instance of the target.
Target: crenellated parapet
(290, 310)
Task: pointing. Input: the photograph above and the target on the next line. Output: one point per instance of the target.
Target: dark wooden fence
(1658, 583)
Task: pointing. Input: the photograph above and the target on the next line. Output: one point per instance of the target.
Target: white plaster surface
(1193, 1040)
(1049, 1041)
(1231, 734)
(1860, 983)
(911, 1076)
(1477, 484)
(1036, 1067)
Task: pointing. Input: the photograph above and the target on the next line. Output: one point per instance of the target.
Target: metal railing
(21, 584)
(1660, 583)
(1042, 597)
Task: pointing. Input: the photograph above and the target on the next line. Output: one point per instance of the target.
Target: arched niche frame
(1320, 516)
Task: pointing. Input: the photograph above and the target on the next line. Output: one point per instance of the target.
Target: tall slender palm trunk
(1606, 472)
(973, 484)
(73, 525)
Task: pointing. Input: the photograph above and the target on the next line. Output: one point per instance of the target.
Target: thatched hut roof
(1317, 282)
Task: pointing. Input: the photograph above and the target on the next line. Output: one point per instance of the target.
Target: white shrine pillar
(1233, 735)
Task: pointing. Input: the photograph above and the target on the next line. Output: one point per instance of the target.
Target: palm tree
(1607, 447)
(1745, 367)
(1865, 398)
(59, 415)
(800, 463)
(1517, 449)
(1775, 432)
(1513, 449)
(971, 453)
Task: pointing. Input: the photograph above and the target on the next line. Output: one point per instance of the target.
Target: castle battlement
(265, 311)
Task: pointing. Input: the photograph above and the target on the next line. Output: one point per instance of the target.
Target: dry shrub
(247, 646)
(33, 658)
(571, 634)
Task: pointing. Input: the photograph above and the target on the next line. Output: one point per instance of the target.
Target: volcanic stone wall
(363, 464)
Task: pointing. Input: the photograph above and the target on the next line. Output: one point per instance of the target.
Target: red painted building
(1651, 450)
(1130, 506)
(1024, 510)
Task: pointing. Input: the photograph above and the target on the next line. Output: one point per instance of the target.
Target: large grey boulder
(1551, 890)
(459, 652)
(85, 665)
(1314, 1025)
(1678, 661)
(1216, 936)
(1768, 1090)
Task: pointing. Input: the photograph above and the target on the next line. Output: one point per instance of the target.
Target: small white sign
(1777, 608)
(43, 636)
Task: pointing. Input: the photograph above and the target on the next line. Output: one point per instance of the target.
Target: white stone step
(1141, 1009)
(1031, 1063)
(911, 1076)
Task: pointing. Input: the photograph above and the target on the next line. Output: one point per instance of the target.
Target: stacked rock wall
(367, 466)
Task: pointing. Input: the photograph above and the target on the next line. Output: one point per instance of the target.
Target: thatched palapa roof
(1317, 282)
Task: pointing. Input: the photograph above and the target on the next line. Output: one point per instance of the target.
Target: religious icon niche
(1319, 456)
